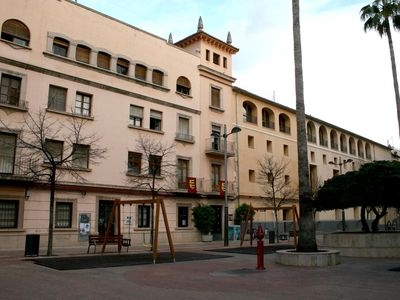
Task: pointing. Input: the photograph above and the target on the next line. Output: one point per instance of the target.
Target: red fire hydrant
(260, 248)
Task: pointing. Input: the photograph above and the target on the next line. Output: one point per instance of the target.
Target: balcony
(11, 168)
(206, 186)
(183, 137)
(215, 147)
(14, 103)
(268, 124)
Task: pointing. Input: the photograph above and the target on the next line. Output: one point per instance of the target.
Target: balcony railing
(268, 124)
(17, 103)
(250, 119)
(215, 146)
(15, 166)
(206, 186)
(184, 137)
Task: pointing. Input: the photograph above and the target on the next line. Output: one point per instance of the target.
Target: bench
(96, 239)
(286, 235)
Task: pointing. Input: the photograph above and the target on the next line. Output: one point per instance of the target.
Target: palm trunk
(394, 72)
(307, 240)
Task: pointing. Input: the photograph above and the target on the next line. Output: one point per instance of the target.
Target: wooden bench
(95, 239)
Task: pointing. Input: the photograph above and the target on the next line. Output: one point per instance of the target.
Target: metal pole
(343, 213)
(226, 238)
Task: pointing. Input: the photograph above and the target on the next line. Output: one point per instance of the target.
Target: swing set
(251, 212)
(159, 204)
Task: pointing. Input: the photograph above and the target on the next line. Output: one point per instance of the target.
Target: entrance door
(105, 208)
(217, 228)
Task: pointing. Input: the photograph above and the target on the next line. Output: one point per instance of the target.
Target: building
(124, 84)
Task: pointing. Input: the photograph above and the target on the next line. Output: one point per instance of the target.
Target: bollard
(260, 248)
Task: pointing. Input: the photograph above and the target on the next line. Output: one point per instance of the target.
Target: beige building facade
(72, 62)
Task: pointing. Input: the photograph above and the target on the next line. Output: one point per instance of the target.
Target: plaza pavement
(233, 276)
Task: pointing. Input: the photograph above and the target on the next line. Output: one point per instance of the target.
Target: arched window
(284, 123)
(250, 113)
(343, 143)
(323, 136)
(16, 32)
(352, 146)
(157, 77)
(103, 60)
(360, 148)
(60, 46)
(311, 135)
(83, 53)
(334, 140)
(140, 72)
(183, 85)
(368, 151)
(268, 118)
(122, 66)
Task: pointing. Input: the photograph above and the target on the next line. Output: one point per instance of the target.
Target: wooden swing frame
(159, 203)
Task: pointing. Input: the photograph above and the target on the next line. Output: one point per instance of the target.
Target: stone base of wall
(358, 244)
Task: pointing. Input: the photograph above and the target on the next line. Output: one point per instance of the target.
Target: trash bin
(271, 235)
(32, 242)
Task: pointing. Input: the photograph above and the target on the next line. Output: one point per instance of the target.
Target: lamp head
(236, 129)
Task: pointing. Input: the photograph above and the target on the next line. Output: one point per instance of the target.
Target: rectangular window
(80, 156)
(215, 97)
(215, 177)
(122, 66)
(207, 55)
(10, 89)
(83, 104)
(136, 116)
(287, 179)
(140, 72)
(144, 216)
(9, 213)
(252, 176)
(155, 165)
(134, 162)
(250, 141)
(216, 137)
(312, 156)
(57, 98)
(103, 60)
(157, 77)
(63, 215)
(286, 150)
(184, 129)
(83, 53)
(155, 120)
(8, 143)
(53, 151)
(225, 62)
(216, 58)
(182, 172)
(183, 216)
(269, 146)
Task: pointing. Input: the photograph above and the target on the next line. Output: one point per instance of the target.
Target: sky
(347, 73)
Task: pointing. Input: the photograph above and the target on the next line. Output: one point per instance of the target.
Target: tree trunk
(365, 227)
(378, 216)
(394, 72)
(307, 240)
(51, 211)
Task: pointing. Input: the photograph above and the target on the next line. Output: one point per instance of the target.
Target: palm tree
(307, 241)
(378, 16)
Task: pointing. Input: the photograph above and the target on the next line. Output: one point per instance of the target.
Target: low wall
(358, 244)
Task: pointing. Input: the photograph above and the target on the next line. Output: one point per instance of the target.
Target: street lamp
(225, 135)
(340, 164)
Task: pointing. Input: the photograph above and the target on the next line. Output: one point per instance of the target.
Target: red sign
(222, 188)
(191, 185)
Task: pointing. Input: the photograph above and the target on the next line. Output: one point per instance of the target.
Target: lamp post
(225, 135)
(340, 164)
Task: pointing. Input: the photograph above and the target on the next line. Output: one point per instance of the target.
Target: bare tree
(276, 184)
(56, 150)
(153, 168)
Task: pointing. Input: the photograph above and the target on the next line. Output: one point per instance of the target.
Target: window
(140, 72)
(83, 53)
(82, 104)
(207, 55)
(287, 179)
(311, 136)
(284, 125)
(184, 129)
(155, 120)
(10, 89)
(267, 118)
(9, 214)
(122, 66)
(323, 136)
(252, 176)
(144, 216)
(8, 144)
(343, 143)
(60, 46)
(225, 62)
(157, 77)
(216, 137)
(250, 141)
(155, 165)
(215, 97)
(249, 112)
(286, 150)
(324, 159)
(312, 156)
(134, 162)
(53, 151)
(334, 140)
(136, 116)
(215, 177)
(183, 85)
(63, 215)
(16, 32)
(80, 156)
(57, 98)
(182, 172)
(269, 146)
(216, 58)
(183, 216)
(103, 60)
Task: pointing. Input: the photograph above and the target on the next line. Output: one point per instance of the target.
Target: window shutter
(157, 77)
(140, 72)
(83, 53)
(103, 60)
(17, 29)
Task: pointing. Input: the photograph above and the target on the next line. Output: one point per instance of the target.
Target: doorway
(217, 228)
(105, 208)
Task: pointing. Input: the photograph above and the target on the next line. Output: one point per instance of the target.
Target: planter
(322, 258)
(206, 237)
(360, 244)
